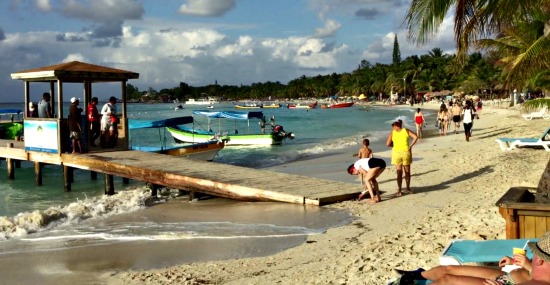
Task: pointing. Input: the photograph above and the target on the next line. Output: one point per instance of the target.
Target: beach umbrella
(362, 97)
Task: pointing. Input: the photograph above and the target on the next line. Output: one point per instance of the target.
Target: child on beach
(371, 168)
(364, 152)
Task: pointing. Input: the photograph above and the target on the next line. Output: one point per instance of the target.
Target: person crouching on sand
(370, 168)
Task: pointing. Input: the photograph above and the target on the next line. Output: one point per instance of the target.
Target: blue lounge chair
(512, 143)
(484, 251)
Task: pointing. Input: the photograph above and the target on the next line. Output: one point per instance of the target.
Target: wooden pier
(52, 147)
(210, 178)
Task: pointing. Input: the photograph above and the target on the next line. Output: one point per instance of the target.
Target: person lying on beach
(371, 168)
(473, 275)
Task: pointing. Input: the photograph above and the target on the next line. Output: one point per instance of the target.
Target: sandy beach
(456, 185)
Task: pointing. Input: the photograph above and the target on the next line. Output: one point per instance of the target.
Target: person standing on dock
(75, 121)
(44, 106)
(93, 118)
(108, 123)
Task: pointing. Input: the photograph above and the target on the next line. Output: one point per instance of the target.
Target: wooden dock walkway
(211, 178)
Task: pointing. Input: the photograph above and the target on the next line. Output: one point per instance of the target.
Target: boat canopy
(171, 122)
(230, 114)
(10, 111)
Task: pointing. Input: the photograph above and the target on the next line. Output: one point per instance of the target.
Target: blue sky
(200, 42)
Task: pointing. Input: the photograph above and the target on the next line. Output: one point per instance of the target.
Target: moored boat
(206, 150)
(338, 105)
(201, 101)
(192, 134)
(300, 106)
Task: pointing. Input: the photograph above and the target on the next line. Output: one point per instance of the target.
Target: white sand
(456, 182)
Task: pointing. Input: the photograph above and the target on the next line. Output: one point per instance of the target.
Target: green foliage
(396, 52)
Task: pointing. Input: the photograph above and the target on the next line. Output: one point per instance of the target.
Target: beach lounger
(512, 143)
(459, 252)
(542, 113)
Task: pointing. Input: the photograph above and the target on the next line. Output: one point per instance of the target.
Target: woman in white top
(108, 123)
(371, 168)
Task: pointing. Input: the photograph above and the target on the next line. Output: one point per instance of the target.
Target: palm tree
(477, 19)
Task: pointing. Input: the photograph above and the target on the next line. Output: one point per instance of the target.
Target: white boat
(206, 150)
(187, 134)
(201, 101)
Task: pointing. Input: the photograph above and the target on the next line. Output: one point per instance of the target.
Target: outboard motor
(280, 132)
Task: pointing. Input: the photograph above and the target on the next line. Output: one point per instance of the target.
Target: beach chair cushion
(486, 251)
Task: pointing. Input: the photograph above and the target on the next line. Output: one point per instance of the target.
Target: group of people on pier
(102, 124)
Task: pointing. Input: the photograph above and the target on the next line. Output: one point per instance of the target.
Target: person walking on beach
(443, 118)
(371, 168)
(468, 114)
(44, 107)
(456, 111)
(108, 123)
(401, 155)
(94, 118)
(75, 121)
(419, 121)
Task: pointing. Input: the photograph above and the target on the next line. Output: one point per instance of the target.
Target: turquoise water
(45, 218)
(317, 131)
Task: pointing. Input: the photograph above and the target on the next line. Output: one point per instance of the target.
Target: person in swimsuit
(364, 152)
(474, 275)
(456, 111)
(371, 168)
(401, 155)
(419, 121)
(443, 117)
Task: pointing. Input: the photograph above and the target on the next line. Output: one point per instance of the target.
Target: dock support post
(154, 189)
(38, 173)
(93, 175)
(109, 185)
(67, 178)
(125, 180)
(9, 165)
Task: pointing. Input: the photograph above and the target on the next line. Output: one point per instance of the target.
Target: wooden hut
(57, 75)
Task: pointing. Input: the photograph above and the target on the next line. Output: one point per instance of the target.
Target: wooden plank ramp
(213, 178)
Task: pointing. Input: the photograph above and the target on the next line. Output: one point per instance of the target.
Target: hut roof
(75, 71)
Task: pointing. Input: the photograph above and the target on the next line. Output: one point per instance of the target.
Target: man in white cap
(75, 124)
(540, 272)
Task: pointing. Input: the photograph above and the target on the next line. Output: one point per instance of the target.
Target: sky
(201, 42)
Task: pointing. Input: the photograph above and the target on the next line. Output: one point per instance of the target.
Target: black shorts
(376, 162)
(456, 118)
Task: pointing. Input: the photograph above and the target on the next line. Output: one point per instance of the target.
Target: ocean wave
(36, 221)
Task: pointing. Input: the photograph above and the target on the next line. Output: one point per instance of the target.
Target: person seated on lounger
(473, 275)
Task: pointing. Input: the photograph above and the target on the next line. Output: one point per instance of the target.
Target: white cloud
(43, 5)
(330, 28)
(206, 8)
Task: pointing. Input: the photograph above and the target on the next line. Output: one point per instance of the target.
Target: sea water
(45, 218)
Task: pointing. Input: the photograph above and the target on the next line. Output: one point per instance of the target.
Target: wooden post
(9, 162)
(125, 180)
(38, 173)
(154, 189)
(93, 175)
(109, 185)
(67, 178)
